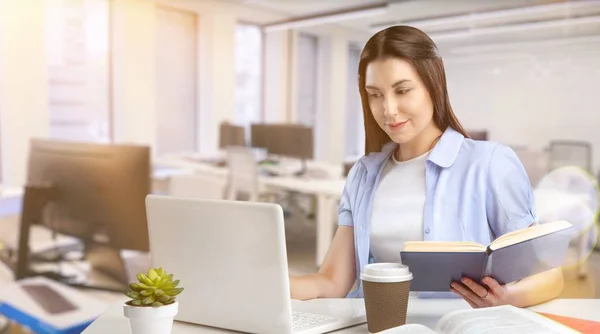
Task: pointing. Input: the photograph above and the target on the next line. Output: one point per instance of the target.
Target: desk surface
(422, 311)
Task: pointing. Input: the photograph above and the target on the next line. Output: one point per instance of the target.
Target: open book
(509, 258)
(491, 320)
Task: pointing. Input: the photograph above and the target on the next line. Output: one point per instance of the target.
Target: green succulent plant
(155, 288)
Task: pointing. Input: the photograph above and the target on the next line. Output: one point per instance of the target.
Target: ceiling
(455, 21)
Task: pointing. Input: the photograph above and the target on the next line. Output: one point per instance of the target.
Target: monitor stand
(103, 258)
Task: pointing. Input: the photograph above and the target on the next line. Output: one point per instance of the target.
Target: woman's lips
(396, 125)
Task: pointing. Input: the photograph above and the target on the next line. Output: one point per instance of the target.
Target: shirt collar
(443, 154)
(446, 150)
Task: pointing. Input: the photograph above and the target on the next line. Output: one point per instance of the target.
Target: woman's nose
(390, 107)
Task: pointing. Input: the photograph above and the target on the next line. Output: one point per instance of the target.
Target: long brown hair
(420, 51)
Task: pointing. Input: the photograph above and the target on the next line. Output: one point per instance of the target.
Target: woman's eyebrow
(397, 83)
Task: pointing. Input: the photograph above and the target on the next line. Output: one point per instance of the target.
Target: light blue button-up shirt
(475, 191)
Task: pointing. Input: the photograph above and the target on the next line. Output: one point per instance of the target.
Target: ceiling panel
(409, 11)
(296, 8)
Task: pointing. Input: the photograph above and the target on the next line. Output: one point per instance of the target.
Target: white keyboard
(302, 320)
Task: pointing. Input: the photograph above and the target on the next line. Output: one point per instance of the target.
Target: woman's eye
(402, 91)
(373, 95)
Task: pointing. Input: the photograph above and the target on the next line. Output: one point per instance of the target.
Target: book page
(528, 233)
(496, 320)
(409, 328)
(443, 246)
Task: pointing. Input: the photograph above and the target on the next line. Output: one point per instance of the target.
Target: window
(248, 74)
(355, 133)
(77, 39)
(306, 102)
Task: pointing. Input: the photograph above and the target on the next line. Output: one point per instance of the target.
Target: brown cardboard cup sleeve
(386, 288)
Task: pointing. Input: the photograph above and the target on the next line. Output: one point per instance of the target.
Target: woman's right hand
(337, 274)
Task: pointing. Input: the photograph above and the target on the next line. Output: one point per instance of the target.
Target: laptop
(231, 259)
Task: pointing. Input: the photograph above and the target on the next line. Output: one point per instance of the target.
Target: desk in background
(327, 190)
(422, 311)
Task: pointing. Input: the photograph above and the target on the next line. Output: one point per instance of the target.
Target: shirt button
(427, 230)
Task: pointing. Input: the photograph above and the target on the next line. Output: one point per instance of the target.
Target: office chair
(570, 153)
(243, 176)
(571, 194)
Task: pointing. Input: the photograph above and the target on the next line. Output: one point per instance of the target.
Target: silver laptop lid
(230, 257)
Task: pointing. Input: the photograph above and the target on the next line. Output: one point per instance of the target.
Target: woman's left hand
(479, 295)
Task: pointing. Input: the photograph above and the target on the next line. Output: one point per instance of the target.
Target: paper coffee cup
(386, 288)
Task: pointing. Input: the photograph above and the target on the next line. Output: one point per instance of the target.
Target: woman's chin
(400, 138)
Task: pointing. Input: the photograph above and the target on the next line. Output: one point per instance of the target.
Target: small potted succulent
(153, 305)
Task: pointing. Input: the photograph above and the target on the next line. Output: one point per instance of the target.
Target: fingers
(496, 288)
(473, 304)
(467, 294)
(481, 291)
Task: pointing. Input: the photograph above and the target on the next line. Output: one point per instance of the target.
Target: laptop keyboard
(302, 320)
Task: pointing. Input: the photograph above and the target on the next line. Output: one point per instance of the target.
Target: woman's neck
(419, 145)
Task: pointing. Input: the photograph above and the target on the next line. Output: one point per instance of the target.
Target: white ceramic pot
(151, 320)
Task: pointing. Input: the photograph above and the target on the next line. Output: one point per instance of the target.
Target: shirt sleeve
(345, 208)
(509, 203)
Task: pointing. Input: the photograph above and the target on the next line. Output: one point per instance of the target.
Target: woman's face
(398, 99)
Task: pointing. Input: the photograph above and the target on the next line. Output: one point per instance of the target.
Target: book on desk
(509, 258)
(498, 319)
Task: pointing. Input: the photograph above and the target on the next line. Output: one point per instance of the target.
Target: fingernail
(453, 285)
(465, 280)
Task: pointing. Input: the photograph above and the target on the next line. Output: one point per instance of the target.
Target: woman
(422, 179)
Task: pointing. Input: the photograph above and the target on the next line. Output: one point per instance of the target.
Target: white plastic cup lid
(386, 273)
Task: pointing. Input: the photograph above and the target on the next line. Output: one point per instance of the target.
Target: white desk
(423, 311)
(326, 190)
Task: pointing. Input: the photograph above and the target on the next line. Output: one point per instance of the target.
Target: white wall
(176, 77)
(23, 85)
(277, 64)
(134, 72)
(331, 98)
(216, 75)
(530, 97)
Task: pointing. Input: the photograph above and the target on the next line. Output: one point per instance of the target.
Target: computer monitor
(289, 140)
(231, 135)
(286, 140)
(259, 135)
(91, 191)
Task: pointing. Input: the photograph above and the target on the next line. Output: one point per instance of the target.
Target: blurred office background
(204, 84)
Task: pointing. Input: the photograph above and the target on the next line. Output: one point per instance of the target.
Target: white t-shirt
(397, 213)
